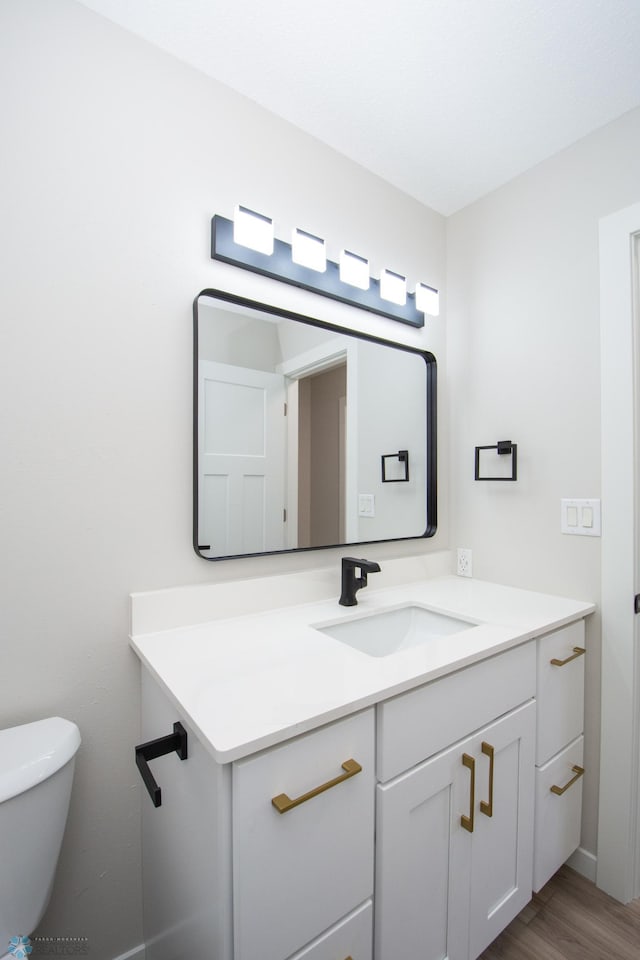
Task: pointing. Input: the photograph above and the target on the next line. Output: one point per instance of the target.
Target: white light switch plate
(580, 518)
(366, 505)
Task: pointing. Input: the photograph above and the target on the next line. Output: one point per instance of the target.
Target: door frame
(618, 864)
(317, 360)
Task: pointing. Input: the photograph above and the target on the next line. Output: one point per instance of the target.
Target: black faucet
(351, 583)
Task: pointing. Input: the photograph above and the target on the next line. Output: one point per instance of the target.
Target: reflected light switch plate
(366, 505)
(580, 517)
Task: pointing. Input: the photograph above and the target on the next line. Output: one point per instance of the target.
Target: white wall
(390, 427)
(115, 157)
(524, 365)
(230, 338)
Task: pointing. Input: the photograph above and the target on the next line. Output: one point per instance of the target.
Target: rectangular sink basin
(389, 631)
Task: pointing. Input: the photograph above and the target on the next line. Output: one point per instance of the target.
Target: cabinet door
(444, 891)
(422, 857)
(502, 844)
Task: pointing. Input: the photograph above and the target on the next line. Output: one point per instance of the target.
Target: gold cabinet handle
(577, 652)
(467, 822)
(282, 802)
(487, 807)
(578, 773)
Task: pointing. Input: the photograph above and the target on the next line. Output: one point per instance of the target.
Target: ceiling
(445, 99)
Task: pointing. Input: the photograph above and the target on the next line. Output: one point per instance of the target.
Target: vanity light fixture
(308, 250)
(354, 270)
(393, 287)
(427, 299)
(249, 242)
(253, 230)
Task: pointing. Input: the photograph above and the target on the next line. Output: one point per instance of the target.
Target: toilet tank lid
(32, 752)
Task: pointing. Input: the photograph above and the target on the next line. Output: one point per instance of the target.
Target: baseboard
(584, 863)
(137, 953)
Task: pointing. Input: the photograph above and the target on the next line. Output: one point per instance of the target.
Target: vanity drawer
(558, 815)
(351, 938)
(418, 724)
(560, 689)
(296, 873)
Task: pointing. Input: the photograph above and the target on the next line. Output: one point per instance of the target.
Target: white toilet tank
(36, 772)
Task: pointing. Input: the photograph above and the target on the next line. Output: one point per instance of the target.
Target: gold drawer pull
(467, 822)
(578, 773)
(282, 802)
(577, 652)
(487, 808)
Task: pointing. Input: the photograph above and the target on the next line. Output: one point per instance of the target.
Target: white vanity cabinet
(455, 833)
(559, 749)
(411, 828)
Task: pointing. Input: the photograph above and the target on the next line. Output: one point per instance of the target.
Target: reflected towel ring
(402, 456)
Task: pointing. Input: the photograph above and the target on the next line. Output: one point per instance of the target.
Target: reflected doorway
(322, 404)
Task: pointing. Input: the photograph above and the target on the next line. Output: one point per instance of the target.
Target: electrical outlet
(464, 568)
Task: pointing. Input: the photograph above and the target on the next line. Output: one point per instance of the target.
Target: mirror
(306, 434)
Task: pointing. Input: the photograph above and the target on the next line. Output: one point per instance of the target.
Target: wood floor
(570, 919)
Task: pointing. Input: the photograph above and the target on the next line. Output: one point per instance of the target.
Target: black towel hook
(175, 742)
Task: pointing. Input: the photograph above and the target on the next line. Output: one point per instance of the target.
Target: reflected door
(241, 487)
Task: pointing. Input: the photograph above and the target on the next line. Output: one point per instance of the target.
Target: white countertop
(248, 682)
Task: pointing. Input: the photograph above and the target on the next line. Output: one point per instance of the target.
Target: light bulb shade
(253, 230)
(354, 270)
(250, 244)
(308, 250)
(393, 287)
(427, 300)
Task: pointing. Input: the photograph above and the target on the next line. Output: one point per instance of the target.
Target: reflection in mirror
(306, 435)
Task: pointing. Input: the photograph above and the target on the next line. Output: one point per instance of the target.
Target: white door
(241, 462)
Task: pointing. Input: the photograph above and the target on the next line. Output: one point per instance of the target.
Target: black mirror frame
(432, 418)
